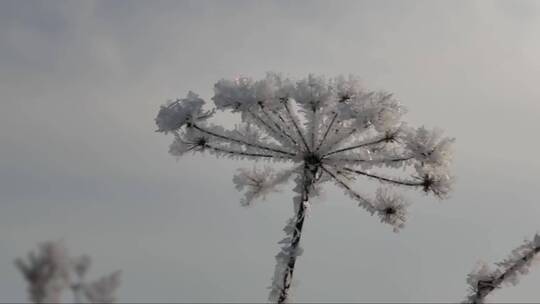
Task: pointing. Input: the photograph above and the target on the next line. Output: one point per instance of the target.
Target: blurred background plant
(50, 271)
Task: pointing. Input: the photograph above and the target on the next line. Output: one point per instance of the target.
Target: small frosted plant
(50, 271)
(483, 280)
(328, 130)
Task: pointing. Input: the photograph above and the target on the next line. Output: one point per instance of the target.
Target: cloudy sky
(81, 82)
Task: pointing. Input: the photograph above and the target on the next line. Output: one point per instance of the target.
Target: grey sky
(80, 84)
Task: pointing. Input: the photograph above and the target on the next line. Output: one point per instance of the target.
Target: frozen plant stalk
(482, 281)
(329, 130)
(51, 270)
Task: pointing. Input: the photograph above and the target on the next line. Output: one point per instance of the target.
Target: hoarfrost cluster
(327, 130)
(483, 280)
(50, 271)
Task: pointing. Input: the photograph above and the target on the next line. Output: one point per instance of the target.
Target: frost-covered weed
(483, 280)
(50, 271)
(328, 130)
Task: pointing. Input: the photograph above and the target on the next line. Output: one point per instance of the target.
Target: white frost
(103, 289)
(176, 114)
(483, 280)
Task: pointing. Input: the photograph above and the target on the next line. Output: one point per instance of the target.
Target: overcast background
(81, 82)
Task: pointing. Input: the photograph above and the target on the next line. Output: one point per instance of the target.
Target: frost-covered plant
(51, 270)
(330, 130)
(47, 272)
(103, 289)
(483, 280)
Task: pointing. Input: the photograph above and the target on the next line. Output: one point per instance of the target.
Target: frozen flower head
(326, 130)
(348, 89)
(312, 92)
(255, 181)
(391, 208)
(237, 95)
(189, 142)
(375, 109)
(259, 183)
(272, 90)
(434, 180)
(51, 271)
(103, 290)
(430, 148)
(351, 98)
(47, 272)
(386, 112)
(244, 94)
(180, 112)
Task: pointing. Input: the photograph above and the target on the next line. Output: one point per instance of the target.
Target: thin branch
(282, 120)
(237, 152)
(485, 287)
(258, 146)
(314, 123)
(343, 136)
(296, 125)
(362, 145)
(263, 109)
(385, 179)
(361, 160)
(326, 133)
(307, 183)
(273, 132)
(364, 202)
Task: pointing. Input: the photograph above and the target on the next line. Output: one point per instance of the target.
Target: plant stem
(295, 124)
(307, 183)
(485, 287)
(77, 289)
(241, 141)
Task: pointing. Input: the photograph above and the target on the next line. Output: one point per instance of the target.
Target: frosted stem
(293, 249)
(485, 287)
(284, 122)
(241, 153)
(243, 142)
(362, 145)
(278, 127)
(385, 179)
(271, 131)
(295, 124)
(366, 204)
(327, 131)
